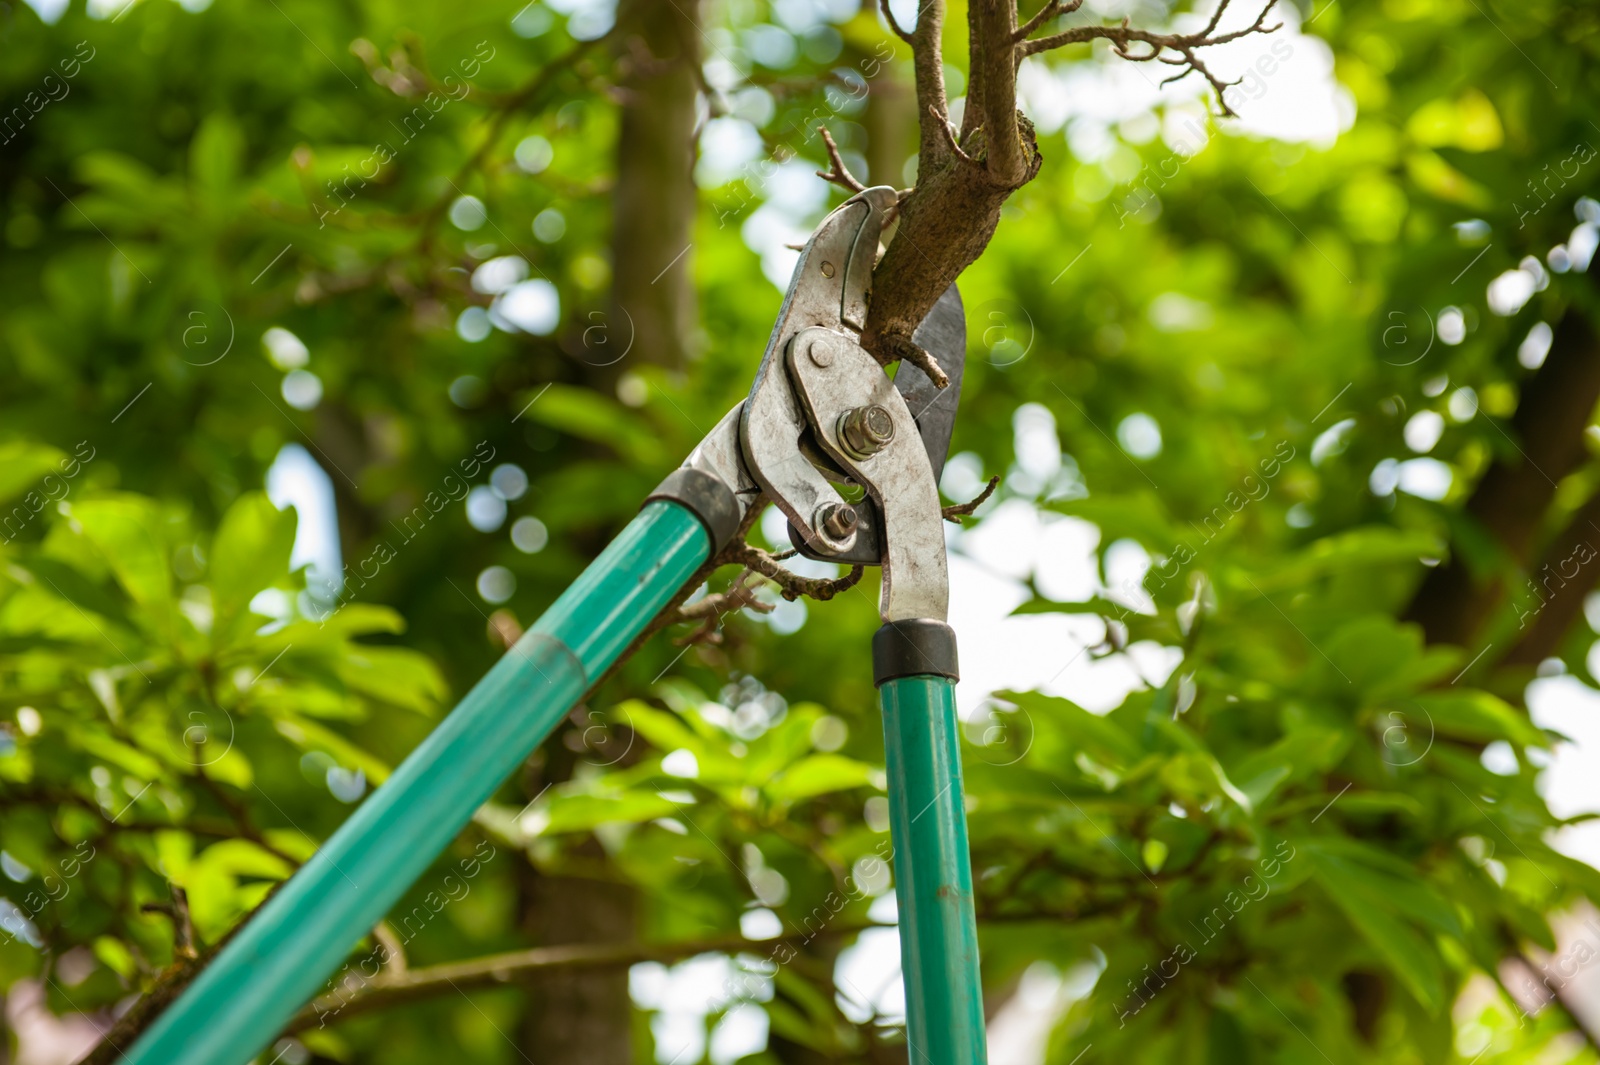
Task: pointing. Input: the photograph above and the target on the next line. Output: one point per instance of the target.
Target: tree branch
(894, 25)
(791, 585)
(951, 143)
(388, 988)
(1507, 509)
(182, 925)
(1123, 37)
(838, 174)
(894, 347)
(1051, 10)
(165, 990)
(993, 24)
(711, 610)
(956, 512)
(927, 62)
(497, 970)
(1556, 609)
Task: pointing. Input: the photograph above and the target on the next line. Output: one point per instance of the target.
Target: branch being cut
(964, 180)
(838, 174)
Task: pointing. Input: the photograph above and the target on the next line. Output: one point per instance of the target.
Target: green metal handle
(933, 872)
(283, 955)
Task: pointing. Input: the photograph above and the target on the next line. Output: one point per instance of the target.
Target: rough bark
(944, 226)
(950, 217)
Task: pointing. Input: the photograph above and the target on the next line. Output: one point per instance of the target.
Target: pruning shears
(822, 421)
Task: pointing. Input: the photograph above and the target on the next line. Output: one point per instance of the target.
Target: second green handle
(933, 872)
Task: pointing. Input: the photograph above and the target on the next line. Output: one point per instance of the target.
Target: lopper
(821, 416)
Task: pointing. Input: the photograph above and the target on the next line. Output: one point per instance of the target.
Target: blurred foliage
(1289, 821)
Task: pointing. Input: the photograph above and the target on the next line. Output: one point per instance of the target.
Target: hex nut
(865, 431)
(838, 520)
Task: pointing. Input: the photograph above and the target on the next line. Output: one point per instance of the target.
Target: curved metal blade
(829, 291)
(943, 333)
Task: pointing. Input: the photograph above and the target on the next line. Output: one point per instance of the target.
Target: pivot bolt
(865, 431)
(838, 520)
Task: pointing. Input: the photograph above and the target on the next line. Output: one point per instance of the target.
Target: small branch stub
(957, 511)
(838, 174)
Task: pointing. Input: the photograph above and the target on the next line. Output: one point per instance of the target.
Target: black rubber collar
(707, 498)
(919, 647)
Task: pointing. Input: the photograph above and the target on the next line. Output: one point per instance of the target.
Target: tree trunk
(584, 1018)
(1508, 509)
(652, 297)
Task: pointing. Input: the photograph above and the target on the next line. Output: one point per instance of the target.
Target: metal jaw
(822, 414)
(822, 411)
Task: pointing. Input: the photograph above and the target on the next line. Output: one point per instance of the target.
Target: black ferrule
(707, 498)
(918, 647)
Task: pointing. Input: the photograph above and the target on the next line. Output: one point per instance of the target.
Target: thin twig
(710, 610)
(895, 346)
(1053, 9)
(957, 511)
(950, 138)
(182, 924)
(394, 951)
(893, 24)
(839, 174)
(791, 585)
(1123, 37)
(497, 970)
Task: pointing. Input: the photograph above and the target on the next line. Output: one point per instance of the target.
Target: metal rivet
(827, 269)
(820, 353)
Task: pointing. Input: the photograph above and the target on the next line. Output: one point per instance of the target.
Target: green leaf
(310, 736)
(664, 731)
(582, 813)
(128, 531)
(250, 553)
(1304, 751)
(1138, 515)
(23, 464)
(818, 774)
(590, 415)
(1062, 728)
(1345, 553)
(60, 579)
(395, 675)
(214, 154)
(1477, 716)
(1382, 897)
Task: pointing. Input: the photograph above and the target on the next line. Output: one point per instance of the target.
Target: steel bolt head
(865, 431)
